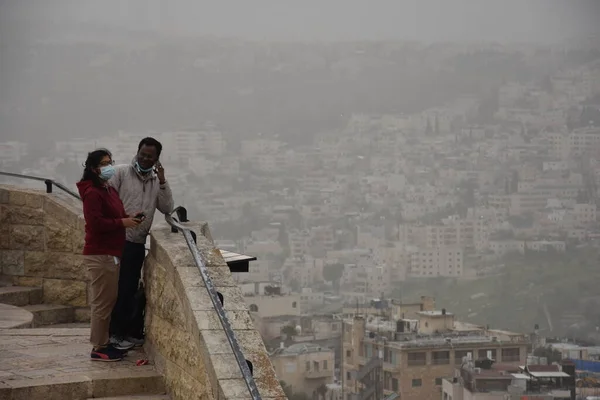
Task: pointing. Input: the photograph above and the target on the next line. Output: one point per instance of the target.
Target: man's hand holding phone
(160, 172)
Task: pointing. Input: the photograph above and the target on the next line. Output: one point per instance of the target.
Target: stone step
(136, 397)
(20, 295)
(50, 314)
(54, 364)
(117, 382)
(12, 317)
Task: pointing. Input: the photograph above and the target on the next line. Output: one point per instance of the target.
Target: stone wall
(41, 240)
(183, 332)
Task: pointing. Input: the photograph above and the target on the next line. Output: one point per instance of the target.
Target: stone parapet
(41, 240)
(184, 334)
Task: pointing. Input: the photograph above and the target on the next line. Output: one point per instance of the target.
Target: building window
(417, 383)
(394, 384)
(324, 364)
(415, 359)
(308, 365)
(348, 353)
(294, 304)
(253, 308)
(438, 381)
(511, 355)
(348, 376)
(440, 357)
(459, 355)
(487, 353)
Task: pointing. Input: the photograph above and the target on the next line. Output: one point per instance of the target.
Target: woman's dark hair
(149, 141)
(93, 161)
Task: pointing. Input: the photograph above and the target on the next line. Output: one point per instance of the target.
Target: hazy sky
(428, 20)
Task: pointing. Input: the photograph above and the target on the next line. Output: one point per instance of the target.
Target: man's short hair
(149, 141)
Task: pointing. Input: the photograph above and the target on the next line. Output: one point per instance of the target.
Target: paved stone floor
(27, 355)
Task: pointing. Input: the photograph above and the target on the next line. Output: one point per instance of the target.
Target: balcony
(318, 374)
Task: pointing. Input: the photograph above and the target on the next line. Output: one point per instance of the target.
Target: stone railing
(41, 238)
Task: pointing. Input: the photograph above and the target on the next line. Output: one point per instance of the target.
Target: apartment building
(486, 381)
(451, 232)
(411, 357)
(439, 261)
(304, 367)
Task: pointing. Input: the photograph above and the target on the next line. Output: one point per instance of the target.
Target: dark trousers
(129, 278)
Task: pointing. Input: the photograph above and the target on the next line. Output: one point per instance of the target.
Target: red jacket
(103, 211)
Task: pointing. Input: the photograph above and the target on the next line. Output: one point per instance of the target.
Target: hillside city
(399, 247)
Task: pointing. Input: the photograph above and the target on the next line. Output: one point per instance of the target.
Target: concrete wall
(184, 335)
(41, 240)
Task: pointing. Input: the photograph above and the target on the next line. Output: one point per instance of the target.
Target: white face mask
(107, 172)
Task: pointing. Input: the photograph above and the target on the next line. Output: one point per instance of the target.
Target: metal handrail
(216, 298)
(49, 183)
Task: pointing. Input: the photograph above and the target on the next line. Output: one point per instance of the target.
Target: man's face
(147, 156)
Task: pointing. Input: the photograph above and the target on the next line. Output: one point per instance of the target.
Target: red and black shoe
(107, 354)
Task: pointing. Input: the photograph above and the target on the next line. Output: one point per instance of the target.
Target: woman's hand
(130, 222)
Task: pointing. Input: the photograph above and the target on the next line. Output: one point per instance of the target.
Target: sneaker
(137, 342)
(106, 354)
(121, 344)
(113, 348)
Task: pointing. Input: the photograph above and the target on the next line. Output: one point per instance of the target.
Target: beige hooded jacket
(140, 192)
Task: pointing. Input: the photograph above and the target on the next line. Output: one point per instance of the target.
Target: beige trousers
(104, 287)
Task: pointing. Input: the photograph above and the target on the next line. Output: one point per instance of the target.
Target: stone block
(183, 386)
(21, 215)
(60, 213)
(58, 236)
(4, 196)
(77, 241)
(32, 281)
(50, 264)
(70, 387)
(3, 214)
(4, 237)
(176, 345)
(26, 198)
(82, 314)
(26, 237)
(65, 292)
(220, 277)
(126, 382)
(12, 262)
(209, 319)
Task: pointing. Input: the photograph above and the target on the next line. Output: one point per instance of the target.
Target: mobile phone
(141, 216)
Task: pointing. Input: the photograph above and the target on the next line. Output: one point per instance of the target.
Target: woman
(105, 224)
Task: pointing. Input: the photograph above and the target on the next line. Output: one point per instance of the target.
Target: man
(143, 188)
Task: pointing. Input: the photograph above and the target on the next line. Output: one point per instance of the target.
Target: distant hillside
(567, 284)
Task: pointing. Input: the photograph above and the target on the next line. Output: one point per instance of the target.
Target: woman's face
(105, 162)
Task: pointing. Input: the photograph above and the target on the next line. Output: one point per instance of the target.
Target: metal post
(48, 183)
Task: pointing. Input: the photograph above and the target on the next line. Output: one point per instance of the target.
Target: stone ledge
(175, 286)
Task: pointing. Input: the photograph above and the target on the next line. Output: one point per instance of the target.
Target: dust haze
(377, 157)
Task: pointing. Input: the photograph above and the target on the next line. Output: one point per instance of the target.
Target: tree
(333, 273)
(289, 330)
(287, 389)
(551, 354)
(295, 285)
(320, 392)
